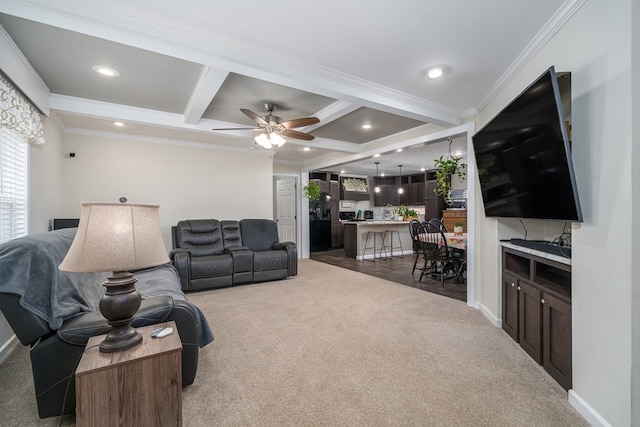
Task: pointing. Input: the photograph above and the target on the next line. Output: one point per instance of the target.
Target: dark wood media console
(536, 308)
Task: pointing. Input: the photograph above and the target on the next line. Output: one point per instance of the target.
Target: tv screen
(523, 157)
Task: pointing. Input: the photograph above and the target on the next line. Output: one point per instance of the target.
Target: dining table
(458, 242)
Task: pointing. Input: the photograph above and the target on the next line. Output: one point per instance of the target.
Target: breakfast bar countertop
(355, 235)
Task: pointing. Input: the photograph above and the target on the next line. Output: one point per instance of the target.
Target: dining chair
(438, 261)
(416, 242)
(439, 224)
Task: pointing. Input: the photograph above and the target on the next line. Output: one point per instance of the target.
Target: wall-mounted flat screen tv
(523, 156)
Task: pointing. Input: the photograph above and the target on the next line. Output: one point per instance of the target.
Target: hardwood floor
(395, 269)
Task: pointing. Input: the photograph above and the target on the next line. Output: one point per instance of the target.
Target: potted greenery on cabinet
(445, 169)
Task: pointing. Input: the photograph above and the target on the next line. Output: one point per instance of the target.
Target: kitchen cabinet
(388, 192)
(413, 194)
(350, 240)
(336, 235)
(536, 309)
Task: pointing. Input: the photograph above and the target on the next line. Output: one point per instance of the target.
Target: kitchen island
(355, 234)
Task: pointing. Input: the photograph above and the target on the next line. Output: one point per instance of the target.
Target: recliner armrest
(181, 260)
(292, 254)
(175, 251)
(79, 329)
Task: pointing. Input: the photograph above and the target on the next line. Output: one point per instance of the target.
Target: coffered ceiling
(188, 67)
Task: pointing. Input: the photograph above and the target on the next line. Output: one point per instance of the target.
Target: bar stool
(366, 246)
(391, 247)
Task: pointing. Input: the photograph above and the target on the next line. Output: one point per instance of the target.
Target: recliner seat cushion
(203, 267)
(270, 260)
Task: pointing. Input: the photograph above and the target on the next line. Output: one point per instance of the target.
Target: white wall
(45, 194)
(187, 181)
(595, 46)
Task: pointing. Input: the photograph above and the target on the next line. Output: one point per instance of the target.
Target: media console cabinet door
(135, 387)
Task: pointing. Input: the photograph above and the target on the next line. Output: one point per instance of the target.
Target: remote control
(155, 332)
(164, 333)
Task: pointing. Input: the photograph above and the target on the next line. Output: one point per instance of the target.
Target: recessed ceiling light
(103, 70)
(382, 174)
(399, 150)
(306, 149)
(366, 126)
(118, 124)
(423, 169)
(343, 171)
(435, 72)
(458, 153)
(375, 156)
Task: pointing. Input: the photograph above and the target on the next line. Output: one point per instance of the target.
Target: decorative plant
(458, 224)
(445, 168)
(405, 212)
(312, 191)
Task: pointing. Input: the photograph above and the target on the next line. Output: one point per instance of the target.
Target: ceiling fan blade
(253, 116)
(296, 123)
(297, 135)
(237, 129)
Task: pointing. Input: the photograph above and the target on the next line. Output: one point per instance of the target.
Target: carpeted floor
(334, 347)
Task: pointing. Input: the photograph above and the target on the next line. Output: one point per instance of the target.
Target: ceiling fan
(275, 128)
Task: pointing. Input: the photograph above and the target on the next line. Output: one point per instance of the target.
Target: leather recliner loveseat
(210, 254)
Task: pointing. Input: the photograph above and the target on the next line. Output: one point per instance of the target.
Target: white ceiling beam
(332, 112)
(109, 111)
(207, 86)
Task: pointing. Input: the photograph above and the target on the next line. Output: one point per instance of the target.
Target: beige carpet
(333, 347)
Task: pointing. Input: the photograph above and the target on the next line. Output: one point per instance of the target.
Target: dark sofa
(210, 254)
(55, 313)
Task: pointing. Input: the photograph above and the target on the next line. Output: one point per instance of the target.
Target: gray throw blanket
(29, 268)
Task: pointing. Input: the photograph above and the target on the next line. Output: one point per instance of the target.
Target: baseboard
(584, 409)
(494, 320)
(7, 347)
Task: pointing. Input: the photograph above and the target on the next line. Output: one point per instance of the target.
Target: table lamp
(117, 237)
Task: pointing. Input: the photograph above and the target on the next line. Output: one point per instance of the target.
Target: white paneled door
(286, 209)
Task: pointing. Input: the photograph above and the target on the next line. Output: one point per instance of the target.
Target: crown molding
(18, 69)
(166, 141)
(555, 23)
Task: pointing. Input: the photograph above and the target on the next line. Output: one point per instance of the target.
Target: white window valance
(18, 113)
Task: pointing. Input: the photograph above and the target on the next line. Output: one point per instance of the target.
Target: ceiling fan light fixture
(263, 140)
(269, 140)
(277, 139)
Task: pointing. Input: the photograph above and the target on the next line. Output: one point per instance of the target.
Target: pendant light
(376, 187)
(400, 189)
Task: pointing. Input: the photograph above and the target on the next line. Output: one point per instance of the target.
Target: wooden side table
(139, 386)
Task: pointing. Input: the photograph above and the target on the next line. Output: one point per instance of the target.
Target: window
(14, 184)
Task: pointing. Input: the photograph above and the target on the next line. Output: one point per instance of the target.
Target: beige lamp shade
(116, 237)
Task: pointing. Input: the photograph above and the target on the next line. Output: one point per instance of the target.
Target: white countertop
(377, 222)
(541, 254)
